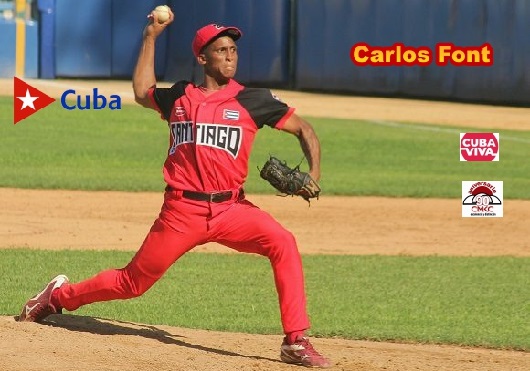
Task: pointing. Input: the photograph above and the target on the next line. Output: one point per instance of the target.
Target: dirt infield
(333, 225)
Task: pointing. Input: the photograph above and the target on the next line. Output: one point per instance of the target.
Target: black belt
(210, 197)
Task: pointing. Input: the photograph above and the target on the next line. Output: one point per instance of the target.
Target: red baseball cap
(208, 33)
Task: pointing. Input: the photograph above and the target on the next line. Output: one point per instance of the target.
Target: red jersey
(211, 136)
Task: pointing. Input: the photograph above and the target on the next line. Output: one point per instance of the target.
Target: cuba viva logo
(479, 147)
(27, 100)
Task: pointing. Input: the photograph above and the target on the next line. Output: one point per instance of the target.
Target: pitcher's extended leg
(160, 249)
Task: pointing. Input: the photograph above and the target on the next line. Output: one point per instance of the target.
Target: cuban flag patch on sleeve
(229, 114)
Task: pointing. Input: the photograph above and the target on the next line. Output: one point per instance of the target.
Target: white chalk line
(437, 129)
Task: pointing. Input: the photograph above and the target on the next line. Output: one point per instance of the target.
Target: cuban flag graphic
(229, 114)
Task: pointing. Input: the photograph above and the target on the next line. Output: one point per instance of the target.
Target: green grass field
(457, 300)
(125, 150)
(470, 301)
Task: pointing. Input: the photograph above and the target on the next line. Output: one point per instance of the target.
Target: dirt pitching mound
(85, 343)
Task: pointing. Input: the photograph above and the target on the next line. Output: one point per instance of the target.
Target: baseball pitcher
(212, 127)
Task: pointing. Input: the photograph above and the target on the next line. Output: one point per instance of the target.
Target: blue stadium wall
(110, 46)
(8, 49)
(302, 44)
(333, 26)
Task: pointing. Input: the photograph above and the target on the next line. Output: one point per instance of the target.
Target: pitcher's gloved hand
(292, 182)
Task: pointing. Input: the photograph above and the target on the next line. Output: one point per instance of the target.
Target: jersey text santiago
(211, 136)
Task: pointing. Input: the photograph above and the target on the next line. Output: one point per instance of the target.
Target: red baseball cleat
(302, 353)
(39, 307)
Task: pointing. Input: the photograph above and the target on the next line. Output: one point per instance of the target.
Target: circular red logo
(479, 146)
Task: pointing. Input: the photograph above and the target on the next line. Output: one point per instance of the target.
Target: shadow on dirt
(101, 326)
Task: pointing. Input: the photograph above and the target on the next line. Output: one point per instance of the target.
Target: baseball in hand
(162, 12)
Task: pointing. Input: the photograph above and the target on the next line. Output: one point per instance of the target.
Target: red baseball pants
(184, 224)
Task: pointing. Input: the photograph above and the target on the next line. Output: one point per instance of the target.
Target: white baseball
(162, 12)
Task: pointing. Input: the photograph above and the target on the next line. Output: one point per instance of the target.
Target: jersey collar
(230, 91)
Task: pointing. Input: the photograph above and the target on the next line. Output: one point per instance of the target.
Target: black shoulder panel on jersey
(166, 97)
(262, 106)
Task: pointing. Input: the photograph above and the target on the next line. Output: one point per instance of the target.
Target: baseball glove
(289, 181)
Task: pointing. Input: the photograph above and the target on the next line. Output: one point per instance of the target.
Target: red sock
(292, 336)
(54, 299)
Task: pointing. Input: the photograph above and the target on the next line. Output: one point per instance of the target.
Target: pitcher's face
(220, 58)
